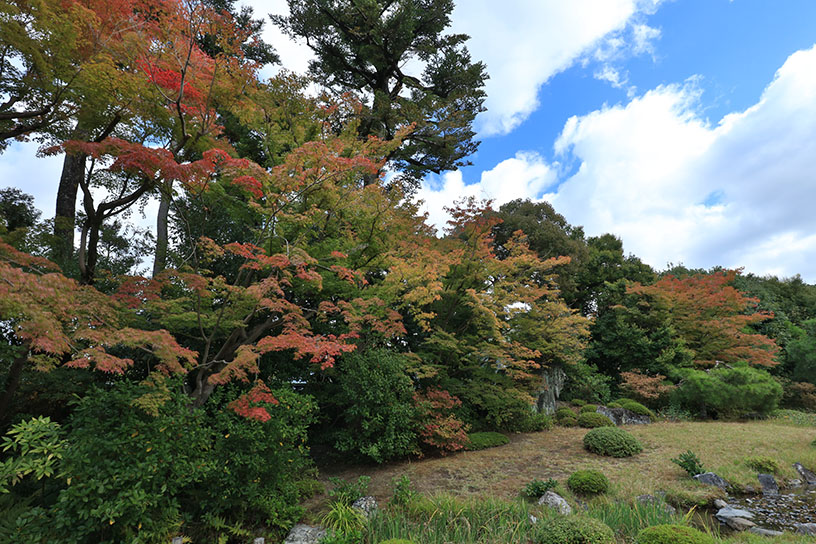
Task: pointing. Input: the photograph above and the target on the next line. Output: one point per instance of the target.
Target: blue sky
(686, 127)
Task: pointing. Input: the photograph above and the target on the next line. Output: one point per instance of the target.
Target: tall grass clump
(627, 519)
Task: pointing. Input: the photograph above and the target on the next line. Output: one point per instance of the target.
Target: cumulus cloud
(679, 188)
(524, 176)
(527, 42)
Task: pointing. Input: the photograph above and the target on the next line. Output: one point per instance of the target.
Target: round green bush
(588, 482)
(612, 442)
(578, 402)
(636, 407)
(574, 530)
(564, 412)
(589, 408)
(568, 421)
(480, 441)
(614, 405)
(672, 534)
(591, 420)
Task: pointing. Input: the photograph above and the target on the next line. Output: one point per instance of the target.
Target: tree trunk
(12, 383)
(160, 260)
(73, 170)
(91, 252)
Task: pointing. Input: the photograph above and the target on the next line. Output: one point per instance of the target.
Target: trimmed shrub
(564, 412)
(612, 442)
(567, 421)
(534, 423)
(615, 404)
(588, 482)
(636, 407)
(763, 465)
(728, 392)
(480, 441)
(591, 420)
(672, 534)
(574, 530)
(578, 402)
(589, 408)
(536, 488)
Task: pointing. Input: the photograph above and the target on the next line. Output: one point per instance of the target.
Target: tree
(713, 319)
(362, 46)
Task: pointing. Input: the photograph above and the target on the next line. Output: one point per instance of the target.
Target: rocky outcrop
(305, 534)
(709, 478)
(622, 416)
(556, 502)
(806, 529)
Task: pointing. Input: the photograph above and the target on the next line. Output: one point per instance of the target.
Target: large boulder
(622, 416)
(735, 518)
(709, 478)
(305, 534)
(556, 502)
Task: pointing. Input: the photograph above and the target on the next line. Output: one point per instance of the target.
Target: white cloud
(527, 175)
(526, 42)
(678, 188)
(294, 55)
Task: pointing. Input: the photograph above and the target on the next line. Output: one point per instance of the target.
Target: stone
(622, 416)
(740, 524)
(553, 380)
(709, 478)
(556, 502)
(764, 532)
(719, 503)
(368, 505)
(769, 485)
(806, 529)
(533, 519)
(805, 474)
(305, 534)
(730, 512)
(651, 499)
(796, 482)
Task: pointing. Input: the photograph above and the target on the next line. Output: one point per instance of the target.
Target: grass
(472, 497)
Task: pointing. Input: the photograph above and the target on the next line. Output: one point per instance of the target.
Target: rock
(553, 380)
(651, 499)
(806, 529)
(556, 502)
(769, 485)
(764, 532)
(709, 478)
(796, 482)
(622, 416)
(719, 503)
(533, 519)
(740, 524)
(305, 534)
(805, 474)
(735, 518)
(368, 505)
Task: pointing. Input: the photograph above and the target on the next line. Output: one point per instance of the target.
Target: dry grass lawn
(503, 471)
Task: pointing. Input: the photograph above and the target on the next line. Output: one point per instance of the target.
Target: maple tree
(713, 319)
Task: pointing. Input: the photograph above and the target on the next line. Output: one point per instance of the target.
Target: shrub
(729, 392)
(588, 482)
(591, 420)
(564, 412)
(636, 407)
(372, 395)
(650, 389)
(574, 530)
(568, 421)
(689, 462)
(176, 464)
(589, 408)
(534, 423)
(480, 441)
(347, 492)
(614, 404)
(612, 441)
(403, 493)
(38, 450)
(497, 406)
(763, 465)
(536, 488)
(672, 534)
(439, 428)
(578, 402)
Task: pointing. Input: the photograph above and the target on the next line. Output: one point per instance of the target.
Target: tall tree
(366, 47)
